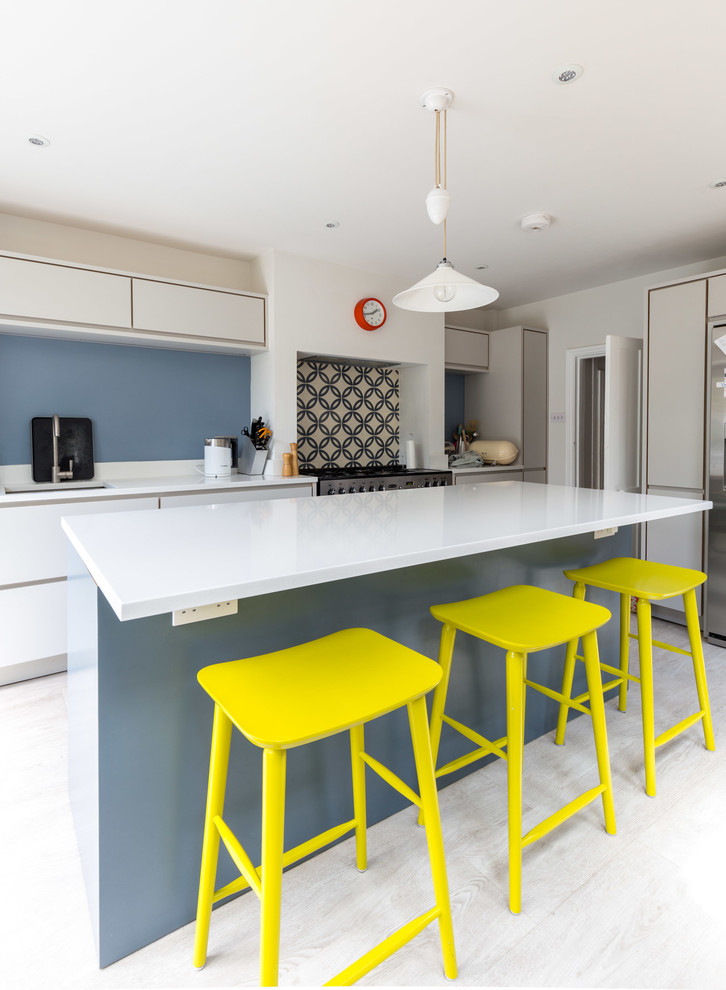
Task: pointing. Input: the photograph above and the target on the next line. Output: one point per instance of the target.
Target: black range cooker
(376, 478)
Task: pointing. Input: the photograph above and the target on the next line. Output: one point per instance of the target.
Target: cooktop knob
(352, 489)
(341, 491)
(362, 488)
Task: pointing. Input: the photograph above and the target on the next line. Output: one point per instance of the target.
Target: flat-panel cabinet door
(58, 294)
(33, 543)
(676, 383)
(189, 311)
(717, 295)
(677, 540)
(466, 348)
(534, 399)
(33, 622)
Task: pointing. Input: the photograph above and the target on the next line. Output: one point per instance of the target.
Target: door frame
(573, 357)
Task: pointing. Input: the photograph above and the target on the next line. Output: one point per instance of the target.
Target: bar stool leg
(699, 669)
(418, 721)
(645, 651)
(567, 678)
(515, 759)
(597, 710)
(218, 762)
(358, 773)
(446, 652)
(624, 650)
(273, 823)
(568, 675)
(438, 703)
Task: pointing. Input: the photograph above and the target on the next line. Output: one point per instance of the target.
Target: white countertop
(150, 562)
(119, 488)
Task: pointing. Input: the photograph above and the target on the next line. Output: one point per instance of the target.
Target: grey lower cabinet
(510, 402)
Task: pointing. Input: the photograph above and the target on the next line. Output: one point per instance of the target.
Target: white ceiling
(234, 126)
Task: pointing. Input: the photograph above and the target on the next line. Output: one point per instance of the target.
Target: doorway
(591, 421)
(603, 415)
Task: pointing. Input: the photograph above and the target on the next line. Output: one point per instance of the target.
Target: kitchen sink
(50, 486)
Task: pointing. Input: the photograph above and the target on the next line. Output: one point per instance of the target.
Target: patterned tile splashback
(346, 414)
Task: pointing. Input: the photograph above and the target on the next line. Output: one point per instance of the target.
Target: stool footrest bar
(371, 959)
(475, 737)
(671, 648)
(390, 778)
(240, 858)
(558, 696)
(669, 734)
(288, 858)
(562, 815)
(464, 761)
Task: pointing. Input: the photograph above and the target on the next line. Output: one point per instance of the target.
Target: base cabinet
(33, 568)
(484, 477)
(678, 541)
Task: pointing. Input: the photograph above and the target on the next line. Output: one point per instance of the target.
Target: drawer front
(33, 622)
(181, 309)
(37, 290)
(34, 545)
(246, 495)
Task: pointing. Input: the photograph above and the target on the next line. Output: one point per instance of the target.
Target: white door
(623, 376)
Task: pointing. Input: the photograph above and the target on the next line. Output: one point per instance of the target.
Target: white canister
(410, 454)
(217, 457)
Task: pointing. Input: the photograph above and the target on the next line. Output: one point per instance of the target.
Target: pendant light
(445, 290)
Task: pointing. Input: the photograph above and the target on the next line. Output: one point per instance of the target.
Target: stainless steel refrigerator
(715, 610)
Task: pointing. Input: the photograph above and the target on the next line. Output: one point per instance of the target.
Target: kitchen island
(140, 725)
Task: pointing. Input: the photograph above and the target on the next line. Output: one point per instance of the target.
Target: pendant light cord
(438, 176)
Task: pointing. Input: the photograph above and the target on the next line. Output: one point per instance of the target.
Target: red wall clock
(370, 314)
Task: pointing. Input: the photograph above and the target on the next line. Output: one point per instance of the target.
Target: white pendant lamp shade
(445, 291)
(437, 204)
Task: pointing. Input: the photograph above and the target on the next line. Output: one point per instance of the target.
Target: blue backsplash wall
(453, 403)
(146, 404)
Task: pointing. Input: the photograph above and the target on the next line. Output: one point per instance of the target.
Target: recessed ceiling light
(38, 140)
(568, 73)
(718, 185)
(332, 224)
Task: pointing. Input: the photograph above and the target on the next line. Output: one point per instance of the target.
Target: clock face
(370, 314)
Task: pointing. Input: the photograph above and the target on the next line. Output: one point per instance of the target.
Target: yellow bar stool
(647, 581)
(295, 696)
(524, 620)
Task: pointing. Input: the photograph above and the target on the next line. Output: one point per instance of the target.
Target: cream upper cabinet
(675, 385)
(717, 295)
(49, 292)
(185, 310)
(465, 349)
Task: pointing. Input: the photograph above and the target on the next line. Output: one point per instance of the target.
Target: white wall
(21, 235)
(584, 318)
(311, 313)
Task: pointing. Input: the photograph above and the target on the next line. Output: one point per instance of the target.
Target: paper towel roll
(410, 454)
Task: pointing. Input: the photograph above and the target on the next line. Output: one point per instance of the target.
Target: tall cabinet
(510, 403)
(675, 415)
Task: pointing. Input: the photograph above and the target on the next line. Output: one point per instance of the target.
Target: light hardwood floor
(641, 909)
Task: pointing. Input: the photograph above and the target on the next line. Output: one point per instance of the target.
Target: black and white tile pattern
(346, 414)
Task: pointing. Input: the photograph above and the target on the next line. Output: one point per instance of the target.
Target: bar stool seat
(292, 697)
(524, 620)
(647, 581)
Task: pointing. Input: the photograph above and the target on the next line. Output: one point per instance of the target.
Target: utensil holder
(249, 459)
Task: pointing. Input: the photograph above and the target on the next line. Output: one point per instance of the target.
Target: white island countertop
(150, 563)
